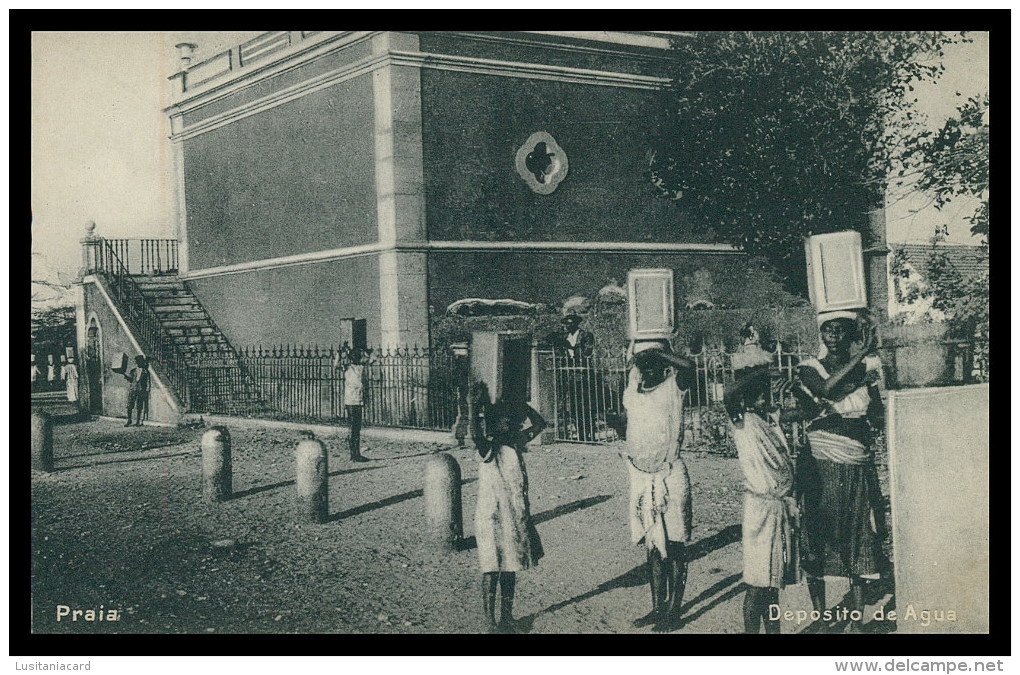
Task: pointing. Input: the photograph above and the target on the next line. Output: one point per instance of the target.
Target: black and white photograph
(510, 332)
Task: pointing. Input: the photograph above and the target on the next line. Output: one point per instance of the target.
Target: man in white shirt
(577, 343)
(354, 401)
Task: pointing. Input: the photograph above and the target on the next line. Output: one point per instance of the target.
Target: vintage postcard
(569, 332)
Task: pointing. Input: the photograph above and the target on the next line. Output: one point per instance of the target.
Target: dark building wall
(288, 78)
(551, 278)
(115, 340)
(300, 303)
(293, 179)
(472, 126)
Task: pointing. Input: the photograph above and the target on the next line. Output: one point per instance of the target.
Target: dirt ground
(120, 524)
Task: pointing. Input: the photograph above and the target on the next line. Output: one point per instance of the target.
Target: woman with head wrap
(839, 478)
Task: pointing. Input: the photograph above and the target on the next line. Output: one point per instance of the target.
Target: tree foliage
(768, 137)
(53, 329)
(960, 298)
(956, 162)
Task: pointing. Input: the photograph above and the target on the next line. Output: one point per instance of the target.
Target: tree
(53, 329)
(767, 137)
(956, 162)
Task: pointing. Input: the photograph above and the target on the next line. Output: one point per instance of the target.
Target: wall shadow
(570, 507)
(388, 501)
(265, 488)
(471, 542)
(638, 576)
(722, 590)
(874, 591)
(724, 537)
(64, 465)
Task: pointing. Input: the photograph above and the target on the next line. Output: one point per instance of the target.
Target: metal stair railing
(132, 303)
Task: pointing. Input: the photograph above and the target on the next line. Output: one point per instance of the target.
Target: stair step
(183, 332)
(215, 350)
(159, 295)
(169, 309)
(167, 296)
(181, 340)
(180, 314)
(210, 358)
(202, 322)
(149, 279)
(210, 351)
(173, 301)
(161, 286)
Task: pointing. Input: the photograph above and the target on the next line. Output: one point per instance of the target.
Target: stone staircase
(216, 381)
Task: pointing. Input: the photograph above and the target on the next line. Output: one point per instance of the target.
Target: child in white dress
(507, 539)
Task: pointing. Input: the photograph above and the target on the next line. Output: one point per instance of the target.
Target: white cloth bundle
(120, 363)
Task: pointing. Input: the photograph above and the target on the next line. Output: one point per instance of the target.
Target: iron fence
(142, 318)
(425, 389)
(132, 256)
(588, 394)
(404, 387)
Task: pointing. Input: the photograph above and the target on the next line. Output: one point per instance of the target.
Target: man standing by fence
(575, 348)
(354, 400)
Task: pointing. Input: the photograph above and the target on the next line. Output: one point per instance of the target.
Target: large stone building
(329, 175)
(326, 176)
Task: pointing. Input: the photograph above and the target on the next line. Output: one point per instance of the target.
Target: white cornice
(567, 247)
(362, 67)
(414, 59)
(521, 69)
(287, 261)
(234, 81)
(654, 42)
(650, 39)
(576, 247)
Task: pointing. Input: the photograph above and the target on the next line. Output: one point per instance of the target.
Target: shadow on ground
(638, 576)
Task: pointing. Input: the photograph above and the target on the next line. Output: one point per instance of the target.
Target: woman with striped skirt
(838, 479)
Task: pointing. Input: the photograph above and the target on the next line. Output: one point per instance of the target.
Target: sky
(100, 151)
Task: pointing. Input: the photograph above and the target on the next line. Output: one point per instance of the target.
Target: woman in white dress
(660, 488)
(769, 542)
(507, 539)
(69, 373)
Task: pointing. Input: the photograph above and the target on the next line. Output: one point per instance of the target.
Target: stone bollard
(42, 441)
(217, 471)
(312, 480)
(444, 521)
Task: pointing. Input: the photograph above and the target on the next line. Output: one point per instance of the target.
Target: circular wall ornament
(542, 163)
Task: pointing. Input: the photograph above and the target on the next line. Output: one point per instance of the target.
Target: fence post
(42, 441)
(543, 392)
(90, 251)
(444, 520)
(460, 369)
(312, 480)
(216, 465)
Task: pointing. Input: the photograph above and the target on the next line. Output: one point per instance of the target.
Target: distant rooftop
(969, 261)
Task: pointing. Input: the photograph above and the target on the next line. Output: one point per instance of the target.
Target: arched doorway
(94, 364)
